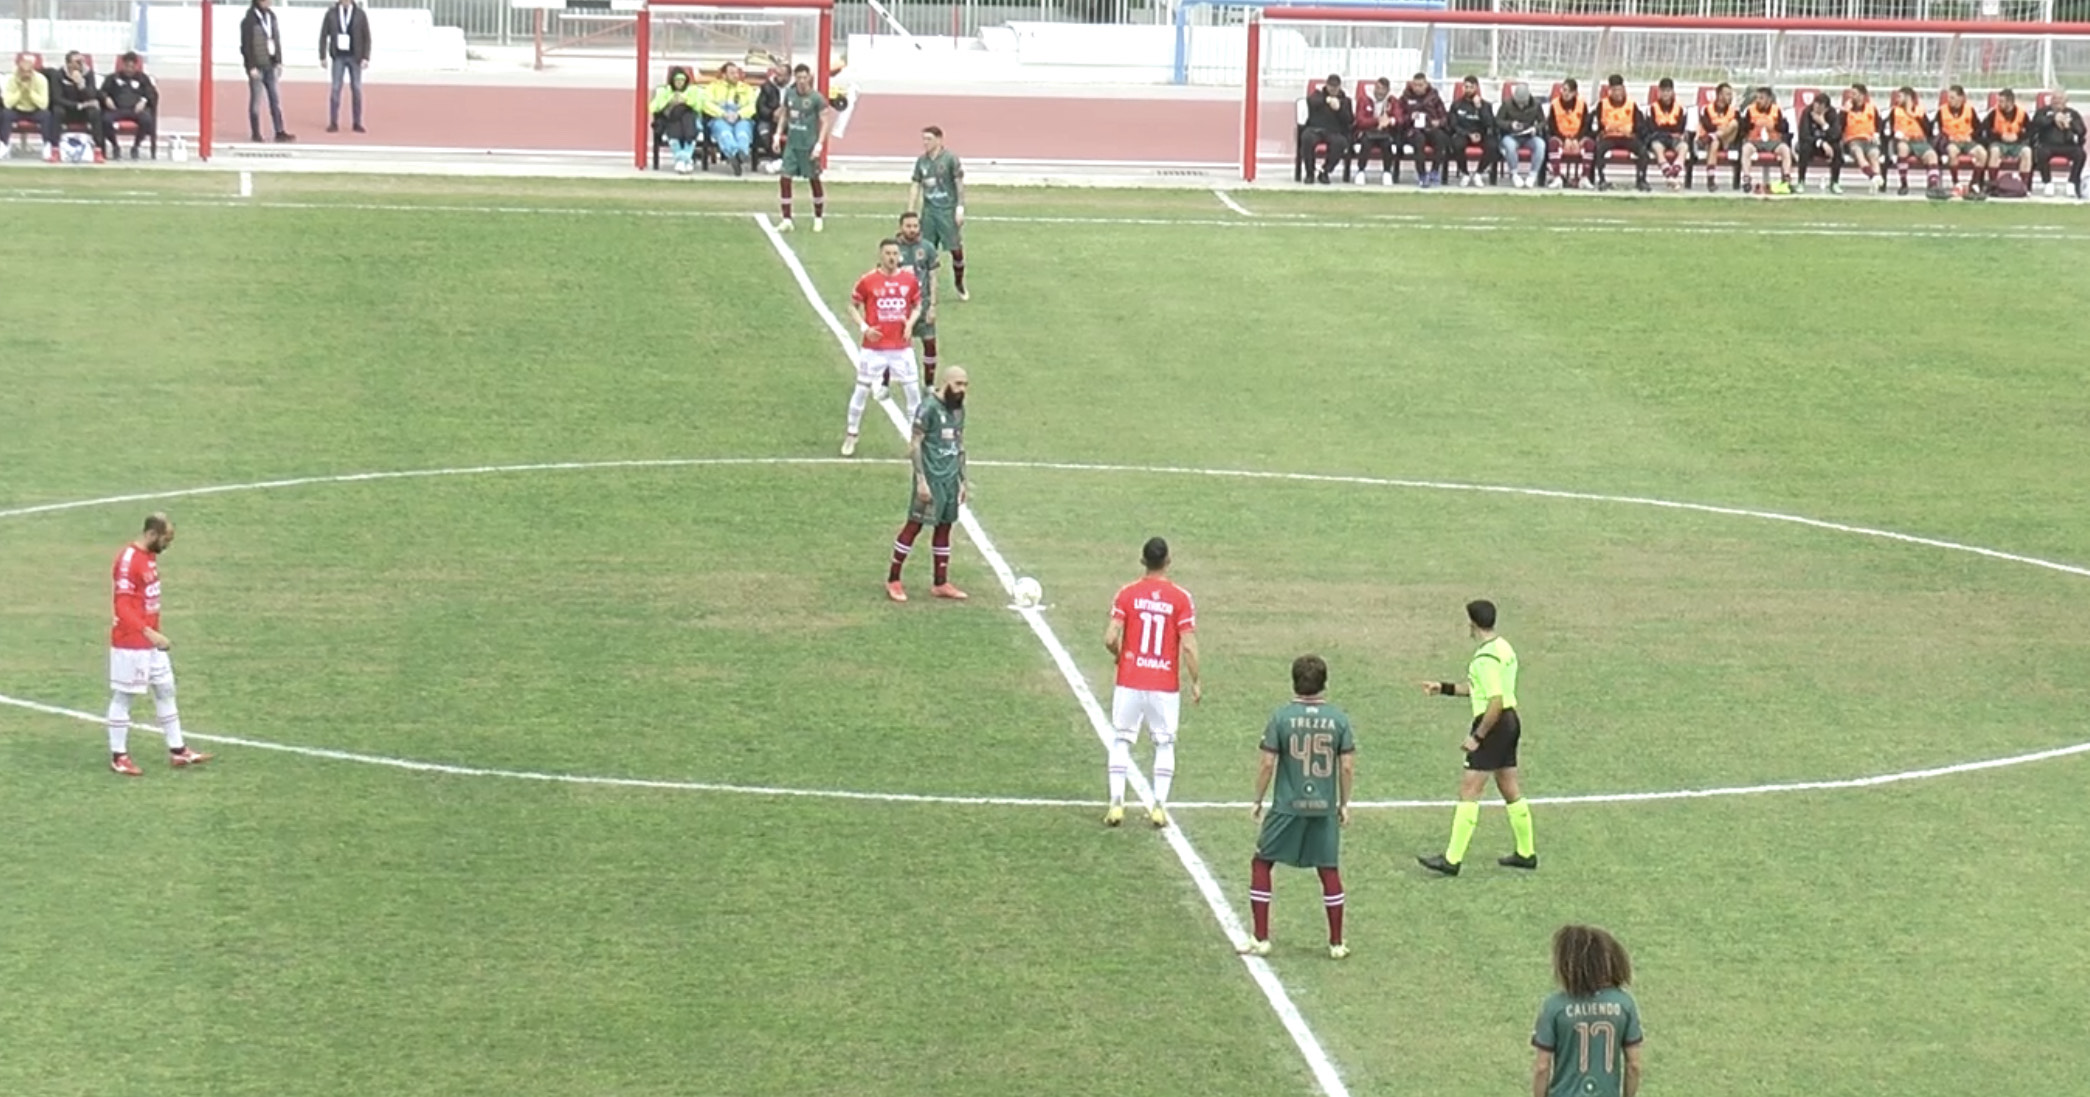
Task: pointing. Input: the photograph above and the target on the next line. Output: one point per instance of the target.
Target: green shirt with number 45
(1309, 739)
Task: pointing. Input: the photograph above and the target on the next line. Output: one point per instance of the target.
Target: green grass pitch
(280, 924)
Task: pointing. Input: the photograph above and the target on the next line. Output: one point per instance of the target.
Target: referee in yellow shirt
(1491, 745)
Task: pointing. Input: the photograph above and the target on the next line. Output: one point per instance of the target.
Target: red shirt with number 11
(1156, 614)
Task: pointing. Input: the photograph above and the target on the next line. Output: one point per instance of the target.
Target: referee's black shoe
(1436, 863)
(1518, 860)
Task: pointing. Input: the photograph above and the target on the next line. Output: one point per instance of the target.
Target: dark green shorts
(798, 163)
(1304, 841)
(941, 510)
(924, 329)
(1766, 146)
(1916, 149)
(940, 227)
(2008, 150)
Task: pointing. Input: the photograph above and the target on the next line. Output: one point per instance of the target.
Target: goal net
(1999, 44)
(762, 37)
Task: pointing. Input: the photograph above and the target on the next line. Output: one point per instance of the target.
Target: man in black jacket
(769, 98)
(344, 44)
(1470, 122)
(261, 50)
(1330, 120)
(1821, 134)
(2057, 134)
(130, 96)
(77, 96)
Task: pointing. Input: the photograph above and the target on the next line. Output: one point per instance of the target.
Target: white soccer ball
(1028, 592)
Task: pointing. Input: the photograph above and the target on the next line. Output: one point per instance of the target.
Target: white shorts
(872, 366)
(1158, 710)
(136, 670)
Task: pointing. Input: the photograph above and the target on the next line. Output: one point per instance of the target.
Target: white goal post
(1542, 47)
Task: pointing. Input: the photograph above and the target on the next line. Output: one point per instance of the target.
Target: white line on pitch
(573, 778)
(1227, 200)
(1386, 223)
(1831, 784)
(448, 769)
(1317, 1059)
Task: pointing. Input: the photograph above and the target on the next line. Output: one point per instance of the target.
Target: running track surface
(600, 120)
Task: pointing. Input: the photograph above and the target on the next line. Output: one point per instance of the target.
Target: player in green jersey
(803, 120)
(919, 255)
(1491, 745)
(1588, 1034)
(1307, 747)
(936, 449)
(939, 192)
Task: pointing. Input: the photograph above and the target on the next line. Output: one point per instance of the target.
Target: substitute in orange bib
(885, 306)
(138, 659)
(2009, 137)
(1618, 130)
(1668, 134)
(1720, 128)
(1861, 134)
(1153, 636)
(1910, 137)
(1767, 133)
(1567, 122)
(1959, 132)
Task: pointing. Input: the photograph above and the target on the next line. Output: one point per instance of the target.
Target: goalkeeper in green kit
(1309, 750)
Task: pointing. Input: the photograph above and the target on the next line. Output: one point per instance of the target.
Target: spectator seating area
(26, 129)
(1567, 160)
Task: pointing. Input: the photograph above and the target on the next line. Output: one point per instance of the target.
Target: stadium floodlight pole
(206, 87)
(1251, 103)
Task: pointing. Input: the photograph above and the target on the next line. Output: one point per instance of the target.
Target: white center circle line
(413, 765)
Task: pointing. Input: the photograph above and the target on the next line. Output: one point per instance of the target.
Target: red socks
(940, 550)
(819, 198)
(1332, 898)
(958, 268)
(929, 363)
(783, 190)
(903, 545)
(1259, 897)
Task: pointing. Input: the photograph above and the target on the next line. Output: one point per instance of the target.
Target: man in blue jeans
(1521, 121)
(261, 51)
(344, 44)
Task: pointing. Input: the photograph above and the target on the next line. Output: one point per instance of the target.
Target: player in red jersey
(885, 306)
(1150, 670)
(138, 660)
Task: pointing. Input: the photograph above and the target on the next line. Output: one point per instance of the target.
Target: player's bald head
(954, 376)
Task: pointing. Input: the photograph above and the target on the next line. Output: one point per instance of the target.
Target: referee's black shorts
(1499, 749)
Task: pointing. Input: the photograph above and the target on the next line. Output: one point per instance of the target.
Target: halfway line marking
(1265, 977)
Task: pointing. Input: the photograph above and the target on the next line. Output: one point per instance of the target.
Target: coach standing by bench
(344, 42)
(261, 50)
